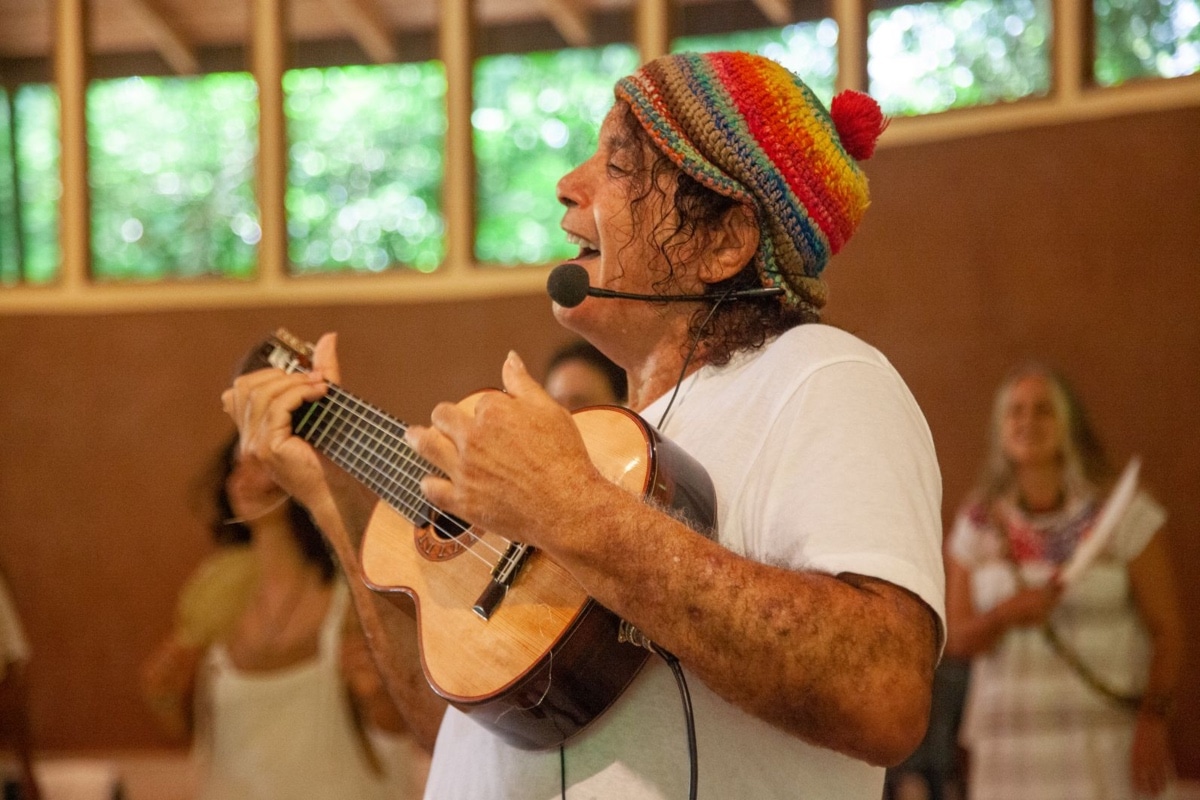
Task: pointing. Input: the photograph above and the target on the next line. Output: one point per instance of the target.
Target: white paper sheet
(1105, 526)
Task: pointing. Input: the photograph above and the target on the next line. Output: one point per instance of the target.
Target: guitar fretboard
(369, 444)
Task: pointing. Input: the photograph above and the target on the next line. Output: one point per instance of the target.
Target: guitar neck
(369, 444)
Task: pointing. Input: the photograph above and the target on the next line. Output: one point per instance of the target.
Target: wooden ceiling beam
(570, 18)
(170, 42)
(779, 12)
(367, 25)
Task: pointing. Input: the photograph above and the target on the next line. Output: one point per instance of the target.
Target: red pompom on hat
(859, 122)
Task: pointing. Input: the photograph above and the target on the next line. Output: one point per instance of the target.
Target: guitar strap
(1060, 647)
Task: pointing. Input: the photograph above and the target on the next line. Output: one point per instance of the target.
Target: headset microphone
(568, 286)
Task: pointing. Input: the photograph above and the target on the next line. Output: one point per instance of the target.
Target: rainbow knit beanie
(747, 128)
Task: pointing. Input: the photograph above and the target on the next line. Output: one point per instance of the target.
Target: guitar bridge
(503, 575)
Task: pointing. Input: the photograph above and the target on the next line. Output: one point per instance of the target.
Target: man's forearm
(844, 662)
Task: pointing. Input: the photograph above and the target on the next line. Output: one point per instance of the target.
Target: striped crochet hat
(747, 128)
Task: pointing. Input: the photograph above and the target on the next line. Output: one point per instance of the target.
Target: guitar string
(391, 439)
(337, 401)
(401, 453)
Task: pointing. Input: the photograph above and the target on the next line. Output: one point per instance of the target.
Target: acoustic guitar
(505, 633)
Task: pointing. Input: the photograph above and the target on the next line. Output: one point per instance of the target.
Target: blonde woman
(1071, 687)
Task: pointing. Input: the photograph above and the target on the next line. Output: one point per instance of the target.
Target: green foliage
(366, 167)
(535, 119)
(934, 56)
(172, 160)
(37, 151)
(171, 172)
(808, 49)
(1146, 38)
(10, 269)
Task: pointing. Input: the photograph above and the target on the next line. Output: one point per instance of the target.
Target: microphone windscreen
(567, 284)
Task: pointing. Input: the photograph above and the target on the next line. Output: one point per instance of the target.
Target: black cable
(691, 352)
(672, 662)
(686, 697)
(689, 717)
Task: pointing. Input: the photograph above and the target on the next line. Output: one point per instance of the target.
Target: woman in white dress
(1071, 687)
(266, 670)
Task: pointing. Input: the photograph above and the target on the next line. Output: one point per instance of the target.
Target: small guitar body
(506, 634)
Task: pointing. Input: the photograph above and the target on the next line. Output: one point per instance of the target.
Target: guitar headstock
(281, 350)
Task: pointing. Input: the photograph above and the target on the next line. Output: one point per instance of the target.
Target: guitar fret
(317, 423)
(369, 445)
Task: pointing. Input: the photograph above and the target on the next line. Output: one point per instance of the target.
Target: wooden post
(456, 43)
(268, 61)
(652, 28)
(71, 76)
(1074, 28)
(851, 17)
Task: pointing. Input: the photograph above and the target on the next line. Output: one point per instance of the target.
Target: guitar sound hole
(448, 526)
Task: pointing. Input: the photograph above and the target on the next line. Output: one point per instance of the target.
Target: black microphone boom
(568, 286)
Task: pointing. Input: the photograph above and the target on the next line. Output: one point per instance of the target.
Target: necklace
(1059, 499)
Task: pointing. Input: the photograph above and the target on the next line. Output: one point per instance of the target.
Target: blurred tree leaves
(10, 264)
(172, 176)
(535, 118)
(366, 167)
(36, 157)
(172, 159)
(1146, 39)
(808, 49)
(935, 56)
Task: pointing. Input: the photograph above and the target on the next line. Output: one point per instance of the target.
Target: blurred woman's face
(251, 489)
(1031, 430)
(576, 383)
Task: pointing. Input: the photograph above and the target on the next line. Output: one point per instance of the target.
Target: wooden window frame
(1072, 98)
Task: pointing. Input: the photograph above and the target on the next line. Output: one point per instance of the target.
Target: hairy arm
(844, 662)
(389, 626)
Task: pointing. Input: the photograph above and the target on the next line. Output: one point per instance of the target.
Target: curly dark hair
(226, 531)
(697, 211)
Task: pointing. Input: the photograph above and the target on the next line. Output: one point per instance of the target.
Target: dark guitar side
(548, 660)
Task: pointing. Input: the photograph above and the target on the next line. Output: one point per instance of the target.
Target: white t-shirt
(821, 461)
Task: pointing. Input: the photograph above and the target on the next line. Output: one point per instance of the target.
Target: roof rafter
(779, 12)
(570, 18)
(170, 42)
(368, 26)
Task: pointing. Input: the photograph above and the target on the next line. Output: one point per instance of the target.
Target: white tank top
(286, 734)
